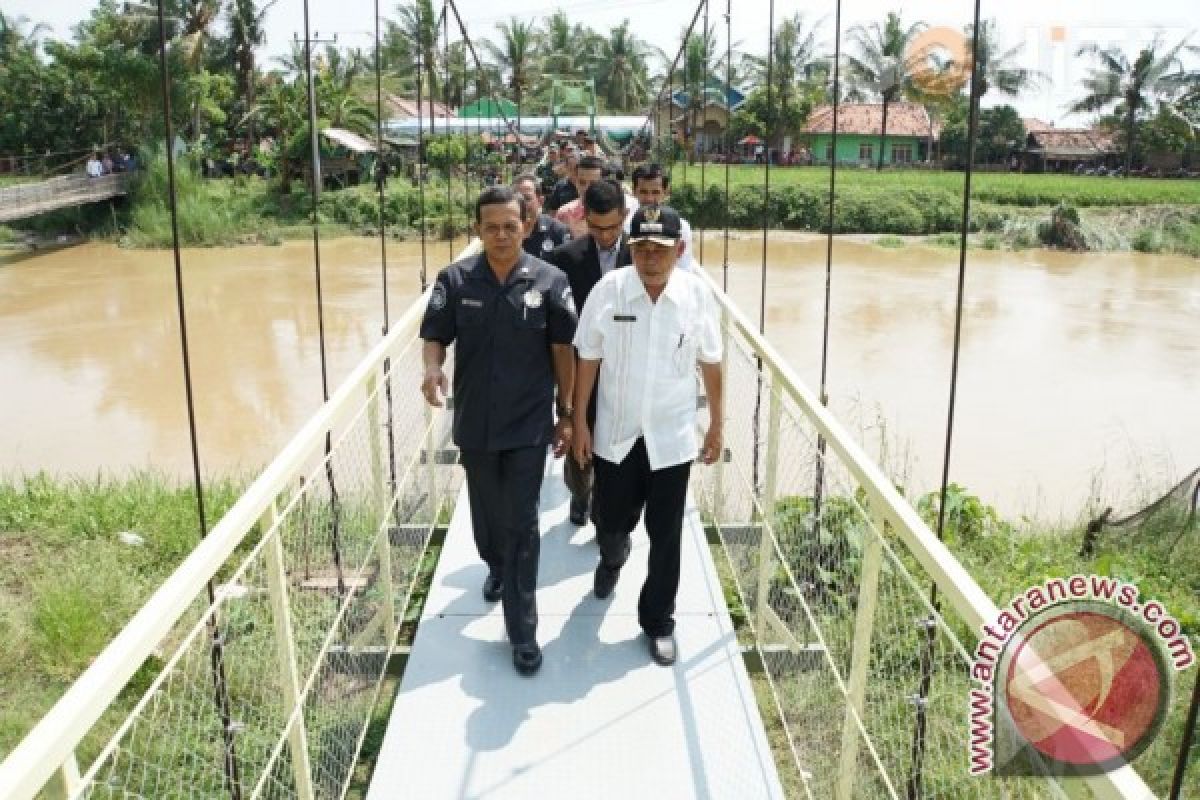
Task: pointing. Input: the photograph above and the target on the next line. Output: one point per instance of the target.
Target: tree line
(101, 86)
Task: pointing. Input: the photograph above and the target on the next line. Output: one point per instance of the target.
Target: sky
(1051, 31)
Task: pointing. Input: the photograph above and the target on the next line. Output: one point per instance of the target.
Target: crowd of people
(103, 163)
(579, 328)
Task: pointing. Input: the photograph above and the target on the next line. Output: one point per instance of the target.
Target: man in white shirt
(652, 186)
(641, 334)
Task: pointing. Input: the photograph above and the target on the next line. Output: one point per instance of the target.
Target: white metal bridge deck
(600, 719)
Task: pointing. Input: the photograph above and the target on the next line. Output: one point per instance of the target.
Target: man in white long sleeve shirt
(641, 334)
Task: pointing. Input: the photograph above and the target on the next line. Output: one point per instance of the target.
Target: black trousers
(503, 488)
(622, 491)
(579, 481)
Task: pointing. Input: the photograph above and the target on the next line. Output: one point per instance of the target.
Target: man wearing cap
(585, 261)
(511, 318)
(542, 233)
(640, 336)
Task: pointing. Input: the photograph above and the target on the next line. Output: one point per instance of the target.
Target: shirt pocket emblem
(533, 299)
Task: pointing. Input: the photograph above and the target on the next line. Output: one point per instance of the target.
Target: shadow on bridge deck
(600, 719)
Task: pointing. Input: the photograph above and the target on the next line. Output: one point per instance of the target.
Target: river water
(1080, 374)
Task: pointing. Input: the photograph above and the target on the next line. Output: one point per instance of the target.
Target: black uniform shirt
(548, 234)
(563, 193)
(503, 371)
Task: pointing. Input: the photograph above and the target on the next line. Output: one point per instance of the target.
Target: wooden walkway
(29, 199)
(600, 720)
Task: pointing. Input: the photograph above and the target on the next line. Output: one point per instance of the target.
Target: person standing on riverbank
(511, 319)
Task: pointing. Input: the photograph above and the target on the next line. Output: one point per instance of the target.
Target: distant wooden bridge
(29, 199)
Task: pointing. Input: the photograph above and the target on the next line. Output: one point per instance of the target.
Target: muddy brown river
(1080, 374)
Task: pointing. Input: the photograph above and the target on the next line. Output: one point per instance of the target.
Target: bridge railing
(25, 199)
(837, 573)
(262, 686)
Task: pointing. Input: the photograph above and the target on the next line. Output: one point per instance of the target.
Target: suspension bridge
(54, 194)
(824, 628)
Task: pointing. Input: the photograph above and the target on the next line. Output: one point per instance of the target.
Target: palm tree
(621, 63)
(414, 39)
(997, 67)
(796, 60)
(198, 17)
(16, 33)
(246, 34)
(1132, 88)
(883, 65)
(565, 47)
(515, 57)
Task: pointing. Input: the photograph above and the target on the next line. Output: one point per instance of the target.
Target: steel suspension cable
(819, 483)
(233, 781)
(762, 300)
(446, 103)
(703, 160)
(314, 193)
(668, 80)
(728, 137)
(919, 729)
(381, 174)
(419, 167)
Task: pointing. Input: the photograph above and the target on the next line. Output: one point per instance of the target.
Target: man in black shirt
(564, 191)
(511, 318)
(543, 233)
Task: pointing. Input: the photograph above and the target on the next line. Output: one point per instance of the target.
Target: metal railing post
(378, 479)
(289, 671)
(431, 466)
(381, 484)
(860, 656)
(67, 781)
(766, 552)
(718, 509)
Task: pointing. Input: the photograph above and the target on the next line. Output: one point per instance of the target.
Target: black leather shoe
(662, 649)
(527, 658)
(605, 578)
(493, 587)
(579, 512)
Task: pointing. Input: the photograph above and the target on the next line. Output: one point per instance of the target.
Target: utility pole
(309, 41)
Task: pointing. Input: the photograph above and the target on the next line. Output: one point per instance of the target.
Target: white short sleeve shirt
(648, 354)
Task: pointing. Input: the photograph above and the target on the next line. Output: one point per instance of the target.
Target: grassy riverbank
(69, 579)
(1010, 211)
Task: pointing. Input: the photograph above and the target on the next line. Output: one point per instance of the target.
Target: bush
(1062, 230)
(1147, 240)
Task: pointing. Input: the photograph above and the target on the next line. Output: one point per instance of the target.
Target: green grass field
(1000, 188)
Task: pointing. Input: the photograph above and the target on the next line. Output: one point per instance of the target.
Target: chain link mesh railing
(265, 687)
(867, 663)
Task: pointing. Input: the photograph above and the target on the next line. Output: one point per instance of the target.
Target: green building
(489, 108)
(911, 134)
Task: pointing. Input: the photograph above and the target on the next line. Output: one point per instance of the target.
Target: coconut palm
(622, 69)
(514, 57)
(795, 61)
(883, 65)
(997, 67)
(16, 32)
(565, 47)
(1132, 88)
(246, 34)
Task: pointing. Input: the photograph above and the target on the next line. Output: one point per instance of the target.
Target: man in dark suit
(585, 260)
